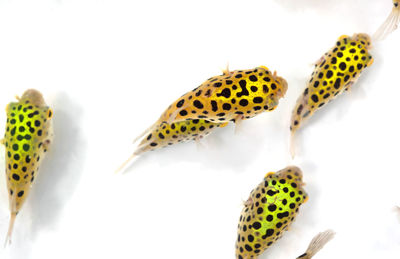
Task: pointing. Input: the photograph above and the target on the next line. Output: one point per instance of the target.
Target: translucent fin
(390, 25)
(149, 129)
(317, 243)
(225, 71)
(124, 164)
(10, 229)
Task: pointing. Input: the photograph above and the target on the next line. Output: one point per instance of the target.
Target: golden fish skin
(170, 134)
(336, 72)
(235, 95)
(269, 211)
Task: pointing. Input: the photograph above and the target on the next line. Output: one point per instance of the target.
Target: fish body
(269, 211)
(27, 138)
(334, 73)
(232, 96)
(239, 94)
(169, 134)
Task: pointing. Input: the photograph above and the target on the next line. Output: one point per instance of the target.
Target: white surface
(109, 68)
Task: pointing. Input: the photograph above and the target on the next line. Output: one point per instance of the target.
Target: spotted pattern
(27, 138)
(170, 134)
(238, 94)
(337, 70)
(269, 211)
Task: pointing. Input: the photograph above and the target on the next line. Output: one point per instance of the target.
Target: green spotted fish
(27, 138)
(269, 211)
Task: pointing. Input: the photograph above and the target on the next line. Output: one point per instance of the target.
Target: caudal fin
(317, 243)
(124, 164)
(10, 229)
(391, 23)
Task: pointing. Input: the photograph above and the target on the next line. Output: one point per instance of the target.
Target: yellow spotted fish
(269, 211)
(338, 70)
(169, 134)
(334, 73)
(27, 139)
(232, 96)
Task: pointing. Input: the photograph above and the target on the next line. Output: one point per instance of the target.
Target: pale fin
(2, 141)
(225, 71)
(317, 243)
(199, 144)
(149, 129)
(10, 229)
(124, 164)
(238, 123)
(390, 25)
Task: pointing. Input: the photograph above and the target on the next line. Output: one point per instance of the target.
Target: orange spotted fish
(232, 96)
(337, 70)
(27, 138)
(317, 243)
(169, 134)
(269, 211)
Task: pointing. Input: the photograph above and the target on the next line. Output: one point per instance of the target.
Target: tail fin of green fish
(317, 243)
(391, 23)
(10, 229)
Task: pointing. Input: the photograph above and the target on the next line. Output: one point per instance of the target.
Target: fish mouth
(33, 96)
(284, 86)
(295, 172)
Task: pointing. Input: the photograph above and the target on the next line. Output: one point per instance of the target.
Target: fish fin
(317, 243)
(10, 229)
(199, 144)
(124, 164)
(18, 98)
(174, 114)
(224, 124)
(2, 141)
(390, 24)
(149, 129)
(226, 71)
(238, 123)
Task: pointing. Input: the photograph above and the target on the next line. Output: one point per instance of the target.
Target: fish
(27, 138)
(337, 70)
(334, 73)
(233, 96)
(317, 243)
(269, 211)
(170, 134)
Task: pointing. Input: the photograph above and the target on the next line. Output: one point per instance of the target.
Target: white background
(109, 68)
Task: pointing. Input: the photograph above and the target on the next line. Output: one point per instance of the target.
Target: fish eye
(49, 113)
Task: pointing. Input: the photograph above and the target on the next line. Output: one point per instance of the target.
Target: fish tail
(391, 23)
(124, 164)
(147, 131)
(317, 243)
(10, 229)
